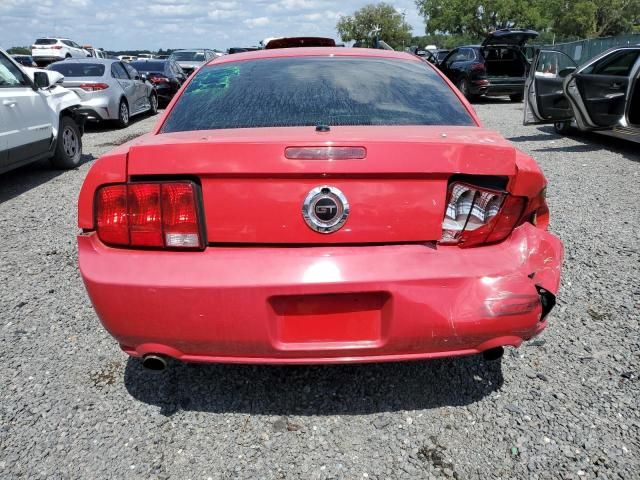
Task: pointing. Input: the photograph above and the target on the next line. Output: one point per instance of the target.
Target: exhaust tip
(155, 363)
(493, 354)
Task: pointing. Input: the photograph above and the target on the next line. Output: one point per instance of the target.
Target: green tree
(361, 26)
(594, 18)
(19, 51)
(478, 17)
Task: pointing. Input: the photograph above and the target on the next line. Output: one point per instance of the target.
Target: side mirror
(41, 80)
(566, 71)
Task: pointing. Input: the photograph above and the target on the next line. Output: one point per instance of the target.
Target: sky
(155, 24)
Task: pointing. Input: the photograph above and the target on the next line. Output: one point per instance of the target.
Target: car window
(69, 69)
(10, 75)
(468, 54)
(310, 91)
(133, 73)
(553, 64)
(46, 41)
(118, 71)
(67, 43)
(74, 44)
(618, 64)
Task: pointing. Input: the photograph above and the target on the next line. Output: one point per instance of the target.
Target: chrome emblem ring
(325, 209)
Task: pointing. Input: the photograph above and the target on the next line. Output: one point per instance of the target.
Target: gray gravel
(564, 406)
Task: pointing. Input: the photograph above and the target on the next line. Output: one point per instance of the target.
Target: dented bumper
(326, 304)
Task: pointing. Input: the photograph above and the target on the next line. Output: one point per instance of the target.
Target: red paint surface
(269, 289)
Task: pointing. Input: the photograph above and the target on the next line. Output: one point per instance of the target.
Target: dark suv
(495, 68)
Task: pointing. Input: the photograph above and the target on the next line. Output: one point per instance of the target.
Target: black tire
(124, 116)
(68, 55)
(153, 102)
(563, 128)
(517, 97)
(68, 146)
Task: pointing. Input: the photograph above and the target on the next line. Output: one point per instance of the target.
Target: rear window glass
(148, 66)
(46, 41)
(78, 69)
(310, 91)
(188, 56)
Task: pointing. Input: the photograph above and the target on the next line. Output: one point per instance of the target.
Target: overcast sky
(154, 24)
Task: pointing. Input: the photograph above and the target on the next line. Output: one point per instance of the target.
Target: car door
(26, 128)
(128, 87)
(601, 88)
(140, 89)
(454, 66)
(545, 100)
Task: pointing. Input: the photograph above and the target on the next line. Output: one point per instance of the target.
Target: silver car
(108, 89)
(191, 60)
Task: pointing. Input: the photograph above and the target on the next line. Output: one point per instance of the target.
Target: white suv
(47, 50)
(38, 118)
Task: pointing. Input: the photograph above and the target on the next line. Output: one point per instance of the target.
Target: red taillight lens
(476, 216)
(179, 216)
(57, 47)
(155, 215)
(158, 80)
(478, 67)
(94, 87)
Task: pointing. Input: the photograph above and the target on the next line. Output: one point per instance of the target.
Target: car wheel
(516, 97)
(69, 145)
(563, 128)
(68, 55)
(463, 86)
(153, 104)
(123, 114)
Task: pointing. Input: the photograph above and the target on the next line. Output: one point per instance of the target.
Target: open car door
(545, 100)
(599, 90)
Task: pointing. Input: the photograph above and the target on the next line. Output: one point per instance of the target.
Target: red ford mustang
(317, 205)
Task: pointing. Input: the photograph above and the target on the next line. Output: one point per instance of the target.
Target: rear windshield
(310, 91)
(148, 66)
(78, 69)
(46, 41)
(188, 56)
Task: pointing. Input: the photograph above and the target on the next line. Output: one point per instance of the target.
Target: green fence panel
(583, 50)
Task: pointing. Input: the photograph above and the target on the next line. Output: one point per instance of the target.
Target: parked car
(498, 67)
(25, 60)
(127, 58)
(95, 52)
(165, 75)
(145, 56)
(38, 118)
(603, 95)
(108, 89)
(364, 222)
(440, 55)
(162, 57)
(191, 60)
(47, 50)
(233, 50)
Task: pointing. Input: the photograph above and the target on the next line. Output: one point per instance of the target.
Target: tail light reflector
(478, 67)
(158, 79)
(94, 87)
(153, 215)
(476, 216)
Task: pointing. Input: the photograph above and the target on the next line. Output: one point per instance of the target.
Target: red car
(317, 205)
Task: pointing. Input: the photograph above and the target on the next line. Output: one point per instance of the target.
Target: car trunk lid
(253, 193)
(509, 36)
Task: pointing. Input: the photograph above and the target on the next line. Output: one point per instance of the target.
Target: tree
(478, 17)
(595, 18)
(19, 51)
(362, 24)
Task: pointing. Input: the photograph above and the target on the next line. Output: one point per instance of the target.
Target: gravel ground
(563, 406)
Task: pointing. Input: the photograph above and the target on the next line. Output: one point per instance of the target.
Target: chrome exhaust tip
(153, 362)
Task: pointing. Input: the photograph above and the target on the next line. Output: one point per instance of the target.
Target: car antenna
(323, 128)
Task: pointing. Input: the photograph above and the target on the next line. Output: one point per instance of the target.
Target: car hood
(509, 36)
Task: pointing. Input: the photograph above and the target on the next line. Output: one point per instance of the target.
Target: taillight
(477, 216)
(157, 80)
(94, 87)
(153, 215)
(478, 67)
(57, 47)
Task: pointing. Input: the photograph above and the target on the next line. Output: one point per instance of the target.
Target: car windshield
(310, 91)
(188, 56)
(78, 69)
(46, 41)
(148, 66)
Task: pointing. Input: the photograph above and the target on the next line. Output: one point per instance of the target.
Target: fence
(583, 50)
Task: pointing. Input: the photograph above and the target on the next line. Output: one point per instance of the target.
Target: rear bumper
(322, 304)
(98, 109)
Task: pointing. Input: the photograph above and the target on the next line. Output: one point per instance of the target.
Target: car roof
(314, 52)
(90, 60)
